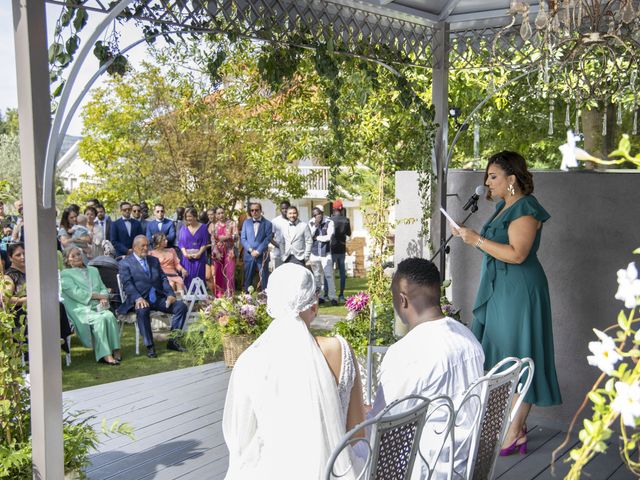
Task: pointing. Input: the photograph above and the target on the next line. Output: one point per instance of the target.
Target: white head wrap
(282, 416)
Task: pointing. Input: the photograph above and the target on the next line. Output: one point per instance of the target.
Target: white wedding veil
(282, 414)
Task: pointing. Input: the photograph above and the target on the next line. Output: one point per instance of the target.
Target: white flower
(627, 402)
(628, 286)
(351, 315)
(604, 352)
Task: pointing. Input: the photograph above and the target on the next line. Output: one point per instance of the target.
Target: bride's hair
(291, 289)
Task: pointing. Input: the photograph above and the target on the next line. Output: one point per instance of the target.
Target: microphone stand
(444, 246)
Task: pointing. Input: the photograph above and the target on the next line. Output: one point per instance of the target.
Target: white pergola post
(34, 110)
(440, 99)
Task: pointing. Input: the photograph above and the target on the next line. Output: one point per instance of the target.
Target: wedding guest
(223, 260)
(341, 230)
(104, 221)
(439, 356)
(193, 240)
(161, 224)
(18, 226)
(86, 300)
(95, 231)
(285, 411)
(279, 223)
(169, 262)
(257, 233)
(68, 222)
(512, 311)
(321, 263)
(178, 219)
(295, 240)
(124, 230)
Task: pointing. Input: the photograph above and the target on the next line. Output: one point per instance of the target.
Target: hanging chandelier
(589, 49)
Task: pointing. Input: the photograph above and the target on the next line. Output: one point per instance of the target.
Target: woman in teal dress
(86, 300)
(512, 311)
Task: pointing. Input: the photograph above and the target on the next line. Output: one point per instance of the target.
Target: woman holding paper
(512, 312)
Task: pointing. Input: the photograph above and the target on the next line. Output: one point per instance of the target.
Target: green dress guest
(86, 300)
(512, 311)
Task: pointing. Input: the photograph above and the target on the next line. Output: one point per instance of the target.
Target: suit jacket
(259, 242)
(121, 239)
(136, 283)
(167, 227)
(107, 226)
(296, 242)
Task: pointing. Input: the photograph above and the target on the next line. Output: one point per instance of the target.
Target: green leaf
(72, 44)
(81, 19)
(622, 321)
(596, 398)
(54, 50)
(637, 251)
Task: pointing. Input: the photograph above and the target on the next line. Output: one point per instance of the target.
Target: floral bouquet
(241, 314)
(357, 304)
(447, 307)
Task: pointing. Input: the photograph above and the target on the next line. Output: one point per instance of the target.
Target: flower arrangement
(616, 394)
(356, 304)
(241, 314)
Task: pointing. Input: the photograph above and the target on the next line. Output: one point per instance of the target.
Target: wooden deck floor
(177, 420)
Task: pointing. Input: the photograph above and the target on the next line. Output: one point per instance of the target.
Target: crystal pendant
(550, 132)
(619, 115)
(576, 127)
(567, 117)
(604, 122)
(525, 28)
(542, 17)
(627, 12)
(634, 130)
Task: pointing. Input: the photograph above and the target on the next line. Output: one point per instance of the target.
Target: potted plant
(227, 323)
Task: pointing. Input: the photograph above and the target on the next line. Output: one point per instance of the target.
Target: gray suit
(295, 241)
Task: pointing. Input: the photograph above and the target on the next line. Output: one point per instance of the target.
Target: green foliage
(10, 167)
(9, 122)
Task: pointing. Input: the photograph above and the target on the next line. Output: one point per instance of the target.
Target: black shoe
(174, 345)
(321, 300)
(113, 364)
(151, 352)
(341, 299)
(334, 302)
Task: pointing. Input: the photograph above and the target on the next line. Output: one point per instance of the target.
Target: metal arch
(53, 143)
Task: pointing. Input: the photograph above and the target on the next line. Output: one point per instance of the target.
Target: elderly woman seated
(87, 302)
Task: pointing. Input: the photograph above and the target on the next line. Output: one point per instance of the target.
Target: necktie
(152, 291)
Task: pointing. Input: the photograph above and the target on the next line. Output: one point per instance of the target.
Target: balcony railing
(316, 181)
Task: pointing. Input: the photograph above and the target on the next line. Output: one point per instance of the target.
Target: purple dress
(195, 268)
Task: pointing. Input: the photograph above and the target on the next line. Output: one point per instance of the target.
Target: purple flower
(249, 312)
(261, 298)
(247, 299)
(357, 302)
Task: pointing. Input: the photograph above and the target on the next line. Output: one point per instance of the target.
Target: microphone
(480, 190)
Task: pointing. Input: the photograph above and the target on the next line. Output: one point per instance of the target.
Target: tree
(10, 166)
(9, 122)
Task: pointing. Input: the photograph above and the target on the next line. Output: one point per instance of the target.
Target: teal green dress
(512, 312)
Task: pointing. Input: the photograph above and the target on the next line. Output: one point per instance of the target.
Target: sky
(8, 81)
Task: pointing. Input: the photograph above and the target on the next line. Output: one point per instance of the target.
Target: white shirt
(440, 357)
(127, 223)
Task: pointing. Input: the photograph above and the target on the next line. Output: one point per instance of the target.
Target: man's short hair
(122, 204)
(285, 202)
(292, 207)
(419, 271)
(255, 203)
(158, 205)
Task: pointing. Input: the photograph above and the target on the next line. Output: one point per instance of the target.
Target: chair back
(394, 441)
(487, 408)
(197, 290)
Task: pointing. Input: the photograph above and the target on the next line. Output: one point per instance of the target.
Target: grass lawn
(86, 372)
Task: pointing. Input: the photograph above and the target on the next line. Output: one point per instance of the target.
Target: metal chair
(394, 441)
(488, 407)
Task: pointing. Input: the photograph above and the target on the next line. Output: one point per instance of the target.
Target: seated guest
(81, 236)
(161, 224)
(439, 356)
(286, 411)
(147, 288)
(124, 230)
(169, 262)
(86, 300)
(295, 239)
(15, 288)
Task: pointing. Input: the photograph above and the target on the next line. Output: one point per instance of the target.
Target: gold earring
(511, 190)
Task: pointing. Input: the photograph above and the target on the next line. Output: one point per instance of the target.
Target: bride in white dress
(291, 396)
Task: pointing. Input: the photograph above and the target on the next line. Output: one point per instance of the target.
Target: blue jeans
(338, 258)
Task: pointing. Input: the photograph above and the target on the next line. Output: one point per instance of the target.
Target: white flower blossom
(627, 402)
(351, 315)
(628, 286)
(604, 352)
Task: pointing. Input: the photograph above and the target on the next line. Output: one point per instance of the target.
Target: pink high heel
(511, 449)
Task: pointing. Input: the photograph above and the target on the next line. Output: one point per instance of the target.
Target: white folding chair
(127, 317)
(394, 441)
(197, 292)
(486, 409)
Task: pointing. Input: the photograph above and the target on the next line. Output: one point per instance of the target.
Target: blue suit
(137, 283)
(260, 243)
(167, 227)
(120, 237)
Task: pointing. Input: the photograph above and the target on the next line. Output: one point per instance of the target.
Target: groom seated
(439, 356)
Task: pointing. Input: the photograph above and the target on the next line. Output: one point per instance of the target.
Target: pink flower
(357, 302)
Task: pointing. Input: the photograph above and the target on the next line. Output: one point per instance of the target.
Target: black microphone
(480, 190)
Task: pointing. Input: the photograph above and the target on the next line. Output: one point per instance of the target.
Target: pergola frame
(355, 27)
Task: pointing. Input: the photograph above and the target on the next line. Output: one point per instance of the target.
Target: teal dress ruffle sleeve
(512, 311)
